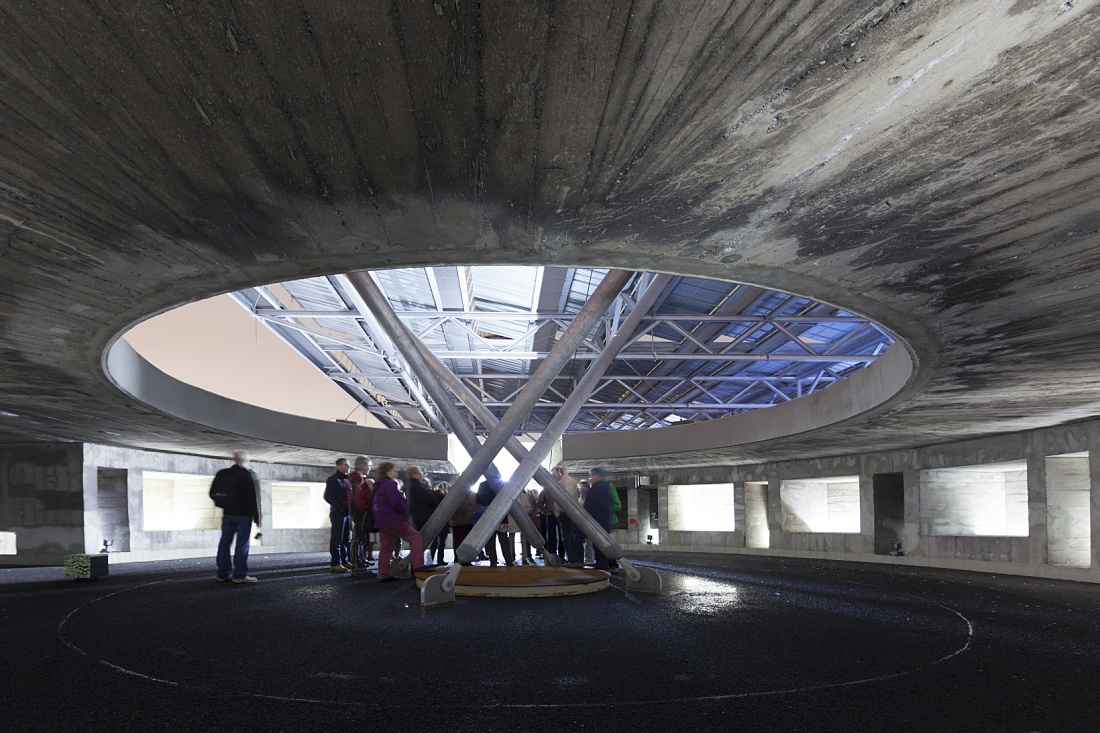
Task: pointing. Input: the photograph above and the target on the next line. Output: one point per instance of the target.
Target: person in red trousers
(391, 520)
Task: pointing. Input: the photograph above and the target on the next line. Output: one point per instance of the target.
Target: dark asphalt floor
(740, 643)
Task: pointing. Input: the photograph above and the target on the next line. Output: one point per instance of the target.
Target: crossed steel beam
(377, 303)
(501, 435)
(553, 432)
(482, 456)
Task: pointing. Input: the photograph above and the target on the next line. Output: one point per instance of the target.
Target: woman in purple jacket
(391, 520)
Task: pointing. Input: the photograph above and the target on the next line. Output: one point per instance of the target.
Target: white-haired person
(236, 491)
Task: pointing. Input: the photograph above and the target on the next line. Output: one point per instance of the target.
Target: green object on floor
(85, 567)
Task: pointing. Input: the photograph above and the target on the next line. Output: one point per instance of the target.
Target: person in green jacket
(616, 505)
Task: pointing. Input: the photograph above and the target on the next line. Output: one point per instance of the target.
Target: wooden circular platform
(522, 581)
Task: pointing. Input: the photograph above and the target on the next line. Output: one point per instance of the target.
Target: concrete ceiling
(933, 165)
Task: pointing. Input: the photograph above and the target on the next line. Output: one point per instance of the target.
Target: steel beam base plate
(642, 579)
(402, 568)
(439, 589)
(551, 559)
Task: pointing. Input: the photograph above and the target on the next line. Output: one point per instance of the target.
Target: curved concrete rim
(860, 393)
(864, 391)
(135, 376)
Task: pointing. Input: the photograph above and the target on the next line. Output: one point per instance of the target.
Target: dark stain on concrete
(157, 154)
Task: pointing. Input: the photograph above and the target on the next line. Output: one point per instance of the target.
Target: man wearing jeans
(239, 496)
(336, 494)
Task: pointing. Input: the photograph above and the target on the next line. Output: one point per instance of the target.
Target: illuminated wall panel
(988, 500)
(296, 505)
(821, 505)
(701, 508)
(172, 501)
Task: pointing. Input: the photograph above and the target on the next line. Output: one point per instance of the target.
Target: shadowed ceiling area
(931, 166)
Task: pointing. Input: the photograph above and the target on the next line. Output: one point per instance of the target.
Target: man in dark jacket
(486, 492)
(336, 495)
(597, 502)
(422, 500)
(237, 493)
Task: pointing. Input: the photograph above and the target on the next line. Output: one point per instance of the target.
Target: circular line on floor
(518, 706)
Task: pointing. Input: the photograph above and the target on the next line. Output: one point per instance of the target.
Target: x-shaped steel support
(531, 463)
(407, 343)
(638, 578)
(423, 361)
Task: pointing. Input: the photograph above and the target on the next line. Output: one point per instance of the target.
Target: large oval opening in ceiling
(705, 349)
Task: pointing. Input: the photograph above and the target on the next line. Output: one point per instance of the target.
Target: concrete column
(555, 456)
(112, 495)
(755, 496)
(1094, 504)
(1037, 536)
(632, 527)
(265, 515)
(740, 523)
(135, 498)
(866, 541)
(265, 502)
(1068, 495)
(662, 510)
(90, 484)
(912, 540)
(777, 538)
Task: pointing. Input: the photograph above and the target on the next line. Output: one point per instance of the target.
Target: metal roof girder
(370, 325)
(809, 349)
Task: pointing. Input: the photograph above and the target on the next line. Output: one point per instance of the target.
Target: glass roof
(706, 349)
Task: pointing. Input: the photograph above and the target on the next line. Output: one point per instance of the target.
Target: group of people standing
(364, 504)
(600, 499)
(361, 506)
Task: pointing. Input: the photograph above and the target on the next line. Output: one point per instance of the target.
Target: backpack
(223, 490)
(362, 495)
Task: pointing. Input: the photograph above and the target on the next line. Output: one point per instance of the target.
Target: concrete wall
(114, 508)
(42, 500)
(1068, 521)
(756, 514)
(1035, 495)
(701, 507)
(697, 538)
(820, 505)
(175, 502)
(201, 541)
(65, 498)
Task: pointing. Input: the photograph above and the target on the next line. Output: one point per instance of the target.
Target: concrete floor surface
(738, 643)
